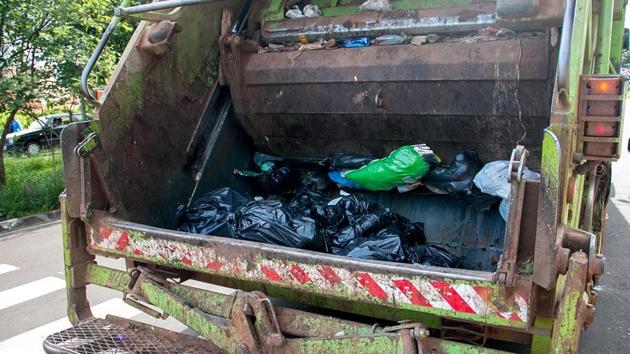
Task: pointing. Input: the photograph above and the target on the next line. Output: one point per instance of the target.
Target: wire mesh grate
(123, 337)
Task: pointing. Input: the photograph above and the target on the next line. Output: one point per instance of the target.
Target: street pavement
(33, 300)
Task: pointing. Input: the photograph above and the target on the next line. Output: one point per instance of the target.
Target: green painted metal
(569, 315)
(449, 347)
(604, 36)
(193, 318)
(335, 300)
(363, 345)
(107, 277)
(616, 45)
(540, 343)
(67, 257)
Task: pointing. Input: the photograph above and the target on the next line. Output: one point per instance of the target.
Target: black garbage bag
(479, 200)
(342, 161)
(276, 176)
(306, 200)
(269, 222)
(355, 205)
(362, 226)
(385, 245)
(412, 232)
(315, 180)
(456, 177)
(209, 215)
(434, 256)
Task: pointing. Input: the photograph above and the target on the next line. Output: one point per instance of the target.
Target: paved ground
(32, 297)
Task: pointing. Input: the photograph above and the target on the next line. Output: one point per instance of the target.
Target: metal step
(122, 336)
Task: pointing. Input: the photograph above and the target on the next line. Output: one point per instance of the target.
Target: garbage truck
(204, 85)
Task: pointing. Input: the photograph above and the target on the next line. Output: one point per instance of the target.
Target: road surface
(32, 296)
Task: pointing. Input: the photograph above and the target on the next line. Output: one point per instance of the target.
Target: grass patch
(33, 185)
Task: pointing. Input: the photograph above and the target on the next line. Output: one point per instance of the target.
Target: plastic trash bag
(434, 256)
(337, 177)
(315, 180)
(276, 176)
(389, 39)
(493, 180)
(269, 222)
(209, 215)
(294, 12)
(376, 5)
(386, 245)
(341, 161)
(479, 200)
(356, 42)
(456, 177)
(311, 10)
(305, 200)
(405, 165)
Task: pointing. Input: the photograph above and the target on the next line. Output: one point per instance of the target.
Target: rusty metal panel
(148, 115)
(467, 295)
(453, 96)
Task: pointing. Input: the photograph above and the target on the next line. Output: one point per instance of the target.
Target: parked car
(43, 132)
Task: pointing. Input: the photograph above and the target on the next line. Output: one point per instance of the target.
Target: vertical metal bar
(85, 75)
(604, 35)
(616, 45)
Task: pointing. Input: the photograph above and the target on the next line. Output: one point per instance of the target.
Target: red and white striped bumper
(474, 300)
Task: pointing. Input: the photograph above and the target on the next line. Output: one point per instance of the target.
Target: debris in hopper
(274, 46)
(479, 200)
(432, 38)
(456, 177)
(505, 33)
(311, 10)
(320, 44)
(209, 215)
(389, 39)
(385, 245)
(366, 230)
(315, 180)
(294, 12)
(419, 40)
(357, 42)
(493, 180)
(275, 176)
(269, 222)
(341, 161)
(376, 5)
(338, 178)
(406, 165)
(434, 256)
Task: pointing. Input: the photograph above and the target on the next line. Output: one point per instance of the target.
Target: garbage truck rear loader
(203, 85)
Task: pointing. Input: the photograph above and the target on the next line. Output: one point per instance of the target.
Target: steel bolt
(589, 315)
(242, 349)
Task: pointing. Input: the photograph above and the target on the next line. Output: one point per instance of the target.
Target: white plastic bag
(376, 5)
(492, 179)
(311, 10)
(294, 12)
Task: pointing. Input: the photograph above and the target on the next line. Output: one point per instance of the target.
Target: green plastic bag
(406, 165)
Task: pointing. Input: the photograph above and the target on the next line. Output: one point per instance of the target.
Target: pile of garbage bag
(349, 225)
(305, 204)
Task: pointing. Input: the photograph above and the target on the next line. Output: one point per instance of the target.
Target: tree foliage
(43, 47)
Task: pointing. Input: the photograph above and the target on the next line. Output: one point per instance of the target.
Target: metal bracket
(83, 151)
(507, 264)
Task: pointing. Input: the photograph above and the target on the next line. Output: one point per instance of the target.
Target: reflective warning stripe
(459, 297)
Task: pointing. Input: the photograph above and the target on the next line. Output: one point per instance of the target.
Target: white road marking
(31, 341)
(5, 268)
(29, 291)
